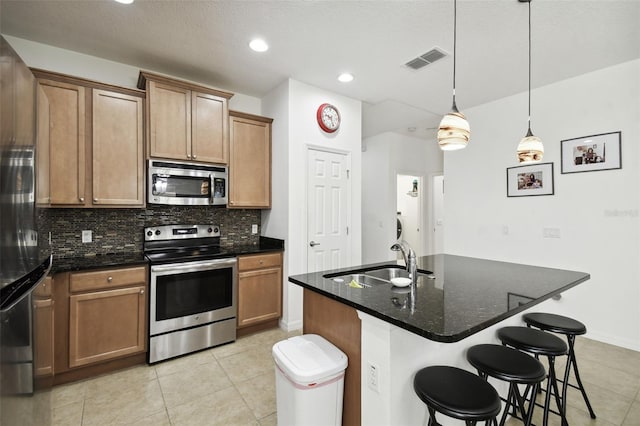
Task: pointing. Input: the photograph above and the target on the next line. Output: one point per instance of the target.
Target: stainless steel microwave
(189, 184)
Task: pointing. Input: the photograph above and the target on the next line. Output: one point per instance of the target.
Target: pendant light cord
(529, 121)
(455, 31)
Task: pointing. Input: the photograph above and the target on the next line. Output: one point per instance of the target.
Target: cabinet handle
(141, 291)
(95, 200)
(81, 199)
(188, 157)
(109, 279)
(194, 156)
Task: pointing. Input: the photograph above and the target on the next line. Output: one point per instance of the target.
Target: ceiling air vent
(426, 59)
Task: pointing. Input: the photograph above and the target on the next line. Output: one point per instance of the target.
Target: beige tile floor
(235, 385)
(232, 384)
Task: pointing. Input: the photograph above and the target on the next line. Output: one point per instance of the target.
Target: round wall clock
(328, 118)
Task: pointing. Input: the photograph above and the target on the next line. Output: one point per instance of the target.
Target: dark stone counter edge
(433, 336)
(71, 264)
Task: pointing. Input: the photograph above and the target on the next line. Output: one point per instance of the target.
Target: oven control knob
(149, 233)
(209, 230)
(216, 230)
(157, 232)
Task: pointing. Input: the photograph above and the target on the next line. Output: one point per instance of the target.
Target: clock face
(328, 118)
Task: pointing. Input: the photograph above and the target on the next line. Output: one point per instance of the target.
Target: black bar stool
(570, 328)
(514, 367)
(539, 343)
(456, 393)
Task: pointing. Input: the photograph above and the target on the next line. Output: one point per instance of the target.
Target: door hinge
(347, 230)
(347, 173)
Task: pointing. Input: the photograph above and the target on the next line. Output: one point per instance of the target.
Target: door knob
(313, 244)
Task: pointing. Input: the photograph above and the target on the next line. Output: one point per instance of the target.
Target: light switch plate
(254, 229)
(87, 236)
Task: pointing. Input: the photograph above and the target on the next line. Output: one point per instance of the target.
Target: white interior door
(327, 210)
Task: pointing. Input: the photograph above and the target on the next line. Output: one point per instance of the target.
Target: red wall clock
(328, 118)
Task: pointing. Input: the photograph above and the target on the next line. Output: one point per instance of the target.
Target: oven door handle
(195, 266)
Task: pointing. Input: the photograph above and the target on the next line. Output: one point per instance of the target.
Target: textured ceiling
(314, 41)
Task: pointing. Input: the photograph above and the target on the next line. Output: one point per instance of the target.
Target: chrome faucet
(409, 259)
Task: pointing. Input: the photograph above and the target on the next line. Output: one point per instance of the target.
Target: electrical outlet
(254, 229)
(87, 236)
(372, 377)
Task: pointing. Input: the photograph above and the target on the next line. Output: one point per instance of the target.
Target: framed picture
(526, 181)
(591, 153)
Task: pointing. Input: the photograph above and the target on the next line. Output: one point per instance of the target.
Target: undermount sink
(374, 276)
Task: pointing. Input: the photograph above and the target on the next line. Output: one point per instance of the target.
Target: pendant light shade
(530, 148)
(454, 131)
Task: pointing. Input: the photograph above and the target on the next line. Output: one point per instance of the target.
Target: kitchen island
(458, 302)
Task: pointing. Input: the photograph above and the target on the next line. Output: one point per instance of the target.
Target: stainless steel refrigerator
(25, 255)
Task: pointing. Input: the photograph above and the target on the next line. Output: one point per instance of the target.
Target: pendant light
(530, 148)
(454, 131)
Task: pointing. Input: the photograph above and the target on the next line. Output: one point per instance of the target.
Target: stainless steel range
(193, 290)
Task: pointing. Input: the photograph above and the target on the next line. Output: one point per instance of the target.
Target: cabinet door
(209, 129)
(259, 296)
(250, 166)
(169, 121)
(66, 142)
(118, 163)
(43, 330)
(43, 193)
(105, 325)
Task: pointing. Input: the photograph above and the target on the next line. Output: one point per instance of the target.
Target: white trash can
(309, 381)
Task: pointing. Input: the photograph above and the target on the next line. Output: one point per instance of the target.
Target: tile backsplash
(117, 231)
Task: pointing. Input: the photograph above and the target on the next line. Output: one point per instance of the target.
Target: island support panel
(340, 325)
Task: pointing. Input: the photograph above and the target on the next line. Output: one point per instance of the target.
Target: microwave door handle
(211, 189)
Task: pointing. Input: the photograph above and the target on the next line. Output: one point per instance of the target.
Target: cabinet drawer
(259, 261)
(95, 280)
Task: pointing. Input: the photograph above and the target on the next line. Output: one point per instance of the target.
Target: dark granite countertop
(467, 295)
(70, 264)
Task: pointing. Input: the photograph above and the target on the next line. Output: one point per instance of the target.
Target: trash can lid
(308, 358)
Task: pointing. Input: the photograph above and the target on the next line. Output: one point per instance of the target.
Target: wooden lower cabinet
(43, 330)
(106, 324)
(101, 321)
(340, 325)
(259, 289)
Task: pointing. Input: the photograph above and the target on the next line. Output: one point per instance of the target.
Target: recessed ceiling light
(258, 45)
(345, 77)
(125, 1)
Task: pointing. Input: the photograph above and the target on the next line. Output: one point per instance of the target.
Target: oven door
(188, 294)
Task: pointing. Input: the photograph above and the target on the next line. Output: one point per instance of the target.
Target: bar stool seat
(456, 393)
(570, 328)
(539, 343)
(514, 367)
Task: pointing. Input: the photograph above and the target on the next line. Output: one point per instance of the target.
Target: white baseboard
(291, 325)
(624, 343)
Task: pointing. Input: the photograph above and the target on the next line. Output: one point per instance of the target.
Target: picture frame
(530, 180)
(591, 153)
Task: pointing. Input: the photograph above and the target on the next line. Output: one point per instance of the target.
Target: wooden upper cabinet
(250, 161)
(209, 128)
(43, 192)
(169, 121)
(95, 136)
(186, 121)
(67, 104)
(118, 159)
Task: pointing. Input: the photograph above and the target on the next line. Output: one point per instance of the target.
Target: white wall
(596, 212)
(38, 55)
(295, 104)
(385, 156)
